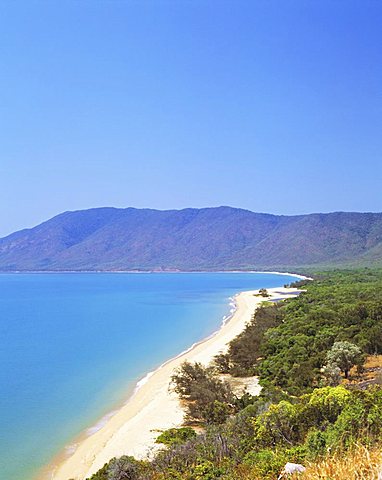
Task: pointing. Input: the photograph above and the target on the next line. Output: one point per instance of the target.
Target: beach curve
(133, 428)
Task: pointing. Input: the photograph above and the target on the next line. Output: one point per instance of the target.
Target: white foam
(141, 382)
(70, 449)
(101, 423)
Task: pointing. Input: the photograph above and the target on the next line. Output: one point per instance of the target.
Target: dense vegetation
(208, 399)
(287, 345)
(301, 348)
(220, 238)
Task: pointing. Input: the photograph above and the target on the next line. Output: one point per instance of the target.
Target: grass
(359, 464)
(371, 374)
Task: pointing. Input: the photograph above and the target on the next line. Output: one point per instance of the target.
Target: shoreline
(49, 471)
(50, 272)
(132, 428)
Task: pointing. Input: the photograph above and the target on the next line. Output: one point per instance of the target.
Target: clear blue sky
(273, 106)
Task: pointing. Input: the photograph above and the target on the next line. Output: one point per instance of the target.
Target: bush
(325, 404)
(124, 468)
(176, 436)
(206, 470)
(264, 292)
(265, 462)
(209, 400)
(281, 424)
(315, 443)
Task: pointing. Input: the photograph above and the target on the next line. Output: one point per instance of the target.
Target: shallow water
(73, 345)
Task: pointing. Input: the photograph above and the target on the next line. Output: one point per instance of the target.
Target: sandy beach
(132, 429)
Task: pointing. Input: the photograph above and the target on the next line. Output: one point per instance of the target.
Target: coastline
(132, 429)
(50, 272)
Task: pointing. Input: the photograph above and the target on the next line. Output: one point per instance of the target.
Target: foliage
(101, 474)
(344, 355)
(263, 292)
(247, 348)
(209, 399)
(175, 436)
(258, 441)
(331, 374)
(287, 344)
(124, 468)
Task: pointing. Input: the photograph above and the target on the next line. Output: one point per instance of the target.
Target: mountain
(192, 239)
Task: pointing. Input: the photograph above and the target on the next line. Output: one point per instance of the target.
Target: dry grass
(360, 464)
(372, 372)
(373, 361)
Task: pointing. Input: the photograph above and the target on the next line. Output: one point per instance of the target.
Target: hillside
(192, 239)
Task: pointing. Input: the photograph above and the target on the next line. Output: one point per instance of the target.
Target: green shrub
(124, 468)
(175, 436)
(265, 462)
(206, 470)
(208, 399)
(315, 443)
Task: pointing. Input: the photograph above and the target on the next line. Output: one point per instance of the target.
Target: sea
(74, 345)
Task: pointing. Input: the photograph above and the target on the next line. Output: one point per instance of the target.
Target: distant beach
(132, 429)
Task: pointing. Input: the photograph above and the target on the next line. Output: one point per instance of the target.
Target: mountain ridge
(212, 238)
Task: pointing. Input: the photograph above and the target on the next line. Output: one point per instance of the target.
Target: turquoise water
(73, 345)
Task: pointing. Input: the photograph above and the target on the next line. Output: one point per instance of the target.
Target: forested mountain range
(221, 238)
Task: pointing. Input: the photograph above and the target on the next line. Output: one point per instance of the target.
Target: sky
(272, 106)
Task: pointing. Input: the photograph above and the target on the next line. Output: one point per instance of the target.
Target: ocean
(74, 345)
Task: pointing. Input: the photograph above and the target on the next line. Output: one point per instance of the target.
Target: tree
(344, 355)
(263, 292)
(222, 362)
(208, 399)
(123, 468)
(332, 374)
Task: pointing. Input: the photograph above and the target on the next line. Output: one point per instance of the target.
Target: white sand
(132, 430)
